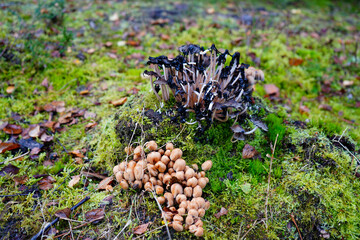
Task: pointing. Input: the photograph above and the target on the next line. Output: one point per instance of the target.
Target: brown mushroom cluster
(178, 186)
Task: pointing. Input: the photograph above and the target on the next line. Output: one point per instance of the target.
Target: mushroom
(179, 165)
(167, 178)
(153, 181)
(167, 153)
(192, 182)
(161, 151)
(193, 228)
(188, 191)
(197, 191)
(177, 226)
(128, 150)
(206, 165)
(189, 173)
(122, 166)
(137, 184)
(161, 176)
(159, 190)
(199, 232)
(199, 223)
(189, 220)
(124, 184)
(119, 176)
(138, 172)
(116, 169)
(181, 211)
(201, 212)
(153, 157)
(207, 205)
(131, 164)
(180, 175)
(152, 170)
(165, 159)
(183, 204)
(202, 182)
(145, 179)
(139, 151)
(180, 198)
(178, 218)
(195, 167)
(148, 186)
(169, 199)
(151, 145)
(176, 189)
(129, 174)
(176, 154)
(160, 166)
(161, 200)
(193, 212)
(169, 146)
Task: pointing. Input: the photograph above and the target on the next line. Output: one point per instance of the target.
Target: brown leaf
(108, 44)
(76, 153)
(45, 83)
(103, 184)
(84, 92)
(304, 109)
(272, 90)
(223, 211)
(20, 180)
(8, 146)
(295, 61)
(46, 138)
(88, 115)
(63, 213)
(133, 43)
(75, 180)
(90, 125)
(46, 183)
(91, 50)
(10, 89)
(325, 107)
(133, 91)
(49, 108)
(35, 151)
(95, 214)
(34, 131)
(249, 152)
(50, 124)
(12, 129)
(119, 102)
(9, 169)
(58, 103)
(141, 229)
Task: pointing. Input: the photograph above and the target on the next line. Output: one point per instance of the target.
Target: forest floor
(72, 97)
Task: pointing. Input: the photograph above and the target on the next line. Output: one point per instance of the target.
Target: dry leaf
(295, 61)
(90, 125)
(249, 152)
(9, 169)
(84, 92)
(35, 131)
(45, 83)
(20, 180)
(46, 183)
(141, 229)
(91, 50)
(35, 151)
(325, 107)
(63, 213)
(46, 138)
(10, 89)
(119, 102)
(304, 109)
(88, 115)
(12, 129)
(95, 214)
(76, 153)
(103, 184)
(75, 180)
(223, 211)
(4, 146)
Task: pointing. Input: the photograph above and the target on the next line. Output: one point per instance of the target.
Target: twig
(142, 235)
(269, 180)
(126, 225)
(81, 225)
(293, 219)
(43, 230)
(338, 141)
(255, 223)
(14, 158)
(162, 214)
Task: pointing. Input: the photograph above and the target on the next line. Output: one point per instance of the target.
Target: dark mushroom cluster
(205, 83)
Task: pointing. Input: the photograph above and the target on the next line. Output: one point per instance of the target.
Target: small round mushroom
(151, 145)
(116, 169)
(201, 212)
(167, 153)
(176, 189)
(181, 211)
(122, 166)
(153, 181)
(188, 191)
(177, 226)
(200, 202)
(161, 151)
(195, 167)
(139, 151)
(160, 176)
(202, 182)
(202, 174)
(124, 184)
(158, 182)
(169, 146)
(192, 205)
(183, 204)
(199, 232)
(170, 165)
(159, 190)
(199, 223)
(129, 174)
(131, 164)
(160, 166)
(152, 170)
(128, 150)
(189, 173)
(170, 170)
(180, 198)
(193, 212)
(153, 157)
(176, 154)
(192, 182)
(161, 200)
(179, 165)
(206, 165)
(189, 220)
(138, 172)
(165, 159)
(145, 179)
(148, 186)
(169, 199)
(193, 228)
(207, 205)
(167, 178)
(137, 184)
(119, 176)
(180, 175)
(178, 218)
(197, 191)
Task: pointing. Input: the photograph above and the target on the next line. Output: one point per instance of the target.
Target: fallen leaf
(119, 102)
(46, 138)
(91, 50)
(35, 151)
(133, 43)
(58, 103)
(108, 200)
(63, 213)
(12, 129)
(103, 184)
(10, 89)
(90, 125)
(347, 83)
(84, 92)
(141, 229)
(295, 61)
(88, 115)
(246, 188)
(325, 107)
(45, 83)
(95, 214)
(35, 131)
(75, 180)
(20, 180)
(249, 152)
(304, 109)
(76, 153)
(46, 183)
(108, 44)
(133, 91)
(8, 146)
(9, 169)
(112, 55)
(223, 211)
(272, 90)
(114, 17)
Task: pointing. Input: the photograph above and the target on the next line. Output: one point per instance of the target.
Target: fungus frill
(202, 82)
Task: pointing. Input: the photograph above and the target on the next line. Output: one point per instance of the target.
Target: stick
(269, 180)
(293, 219)
(43, 230)
(163, 215)
(14, 158)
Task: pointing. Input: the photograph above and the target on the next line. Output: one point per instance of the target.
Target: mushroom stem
(251, 131)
